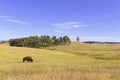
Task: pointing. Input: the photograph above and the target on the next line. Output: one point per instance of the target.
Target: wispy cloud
(5, 17)
(58, 31)
(15, 21)
(69, 25)
(9, 19)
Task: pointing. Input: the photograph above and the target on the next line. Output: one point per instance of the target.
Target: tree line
(94, 42)
(42, 41)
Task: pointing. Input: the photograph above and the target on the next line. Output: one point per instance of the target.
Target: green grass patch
(107, 57)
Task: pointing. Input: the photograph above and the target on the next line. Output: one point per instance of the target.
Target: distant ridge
(92, 42)
(2, 42)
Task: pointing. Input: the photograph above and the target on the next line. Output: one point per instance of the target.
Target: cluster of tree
(42, 41)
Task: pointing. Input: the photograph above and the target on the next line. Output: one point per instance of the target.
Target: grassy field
(77, 61)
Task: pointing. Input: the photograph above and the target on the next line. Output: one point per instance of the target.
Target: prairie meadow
(77, 61)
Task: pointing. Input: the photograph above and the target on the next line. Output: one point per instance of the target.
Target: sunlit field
(77, 61)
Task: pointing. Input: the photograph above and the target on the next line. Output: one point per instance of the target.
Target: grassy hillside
(76, 46)
(89, 49)
(71, 62)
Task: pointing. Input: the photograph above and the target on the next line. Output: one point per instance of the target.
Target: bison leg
(31, 60)
(23, 60)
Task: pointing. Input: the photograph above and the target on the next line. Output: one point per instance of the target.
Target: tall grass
(67, 63)
(45, 72)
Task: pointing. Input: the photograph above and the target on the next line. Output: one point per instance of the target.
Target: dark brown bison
(28, 59)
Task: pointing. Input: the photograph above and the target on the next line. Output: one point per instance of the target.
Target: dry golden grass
(77, 61)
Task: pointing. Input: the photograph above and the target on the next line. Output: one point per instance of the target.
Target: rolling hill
(77, 61)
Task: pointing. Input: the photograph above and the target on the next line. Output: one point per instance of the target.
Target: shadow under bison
(28, 59)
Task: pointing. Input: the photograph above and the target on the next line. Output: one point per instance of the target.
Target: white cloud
(5, 17)
(69, 25)
(15, 21)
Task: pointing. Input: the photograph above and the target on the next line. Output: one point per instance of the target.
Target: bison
(28, 59)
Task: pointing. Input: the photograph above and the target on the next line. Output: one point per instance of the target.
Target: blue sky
(91, 20)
